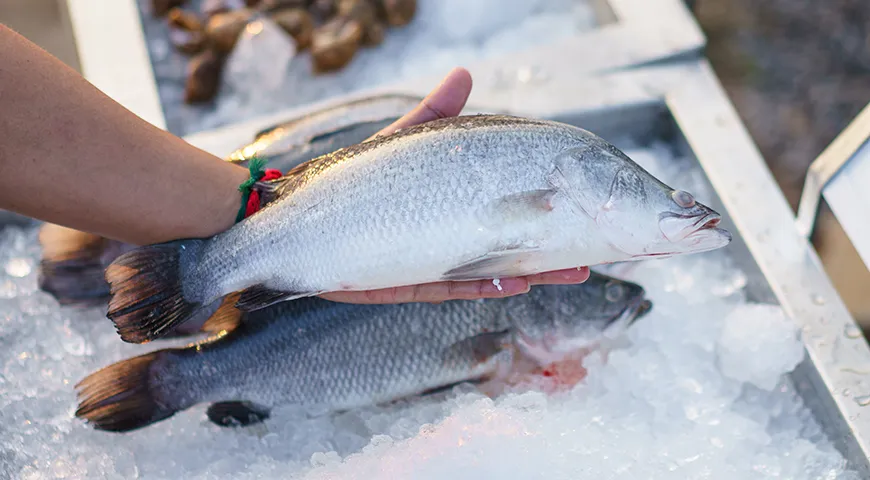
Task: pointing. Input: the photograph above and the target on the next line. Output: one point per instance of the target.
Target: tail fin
(72, 265)
(147, 293)
(224, 319)
(119, 398)
(80, 285)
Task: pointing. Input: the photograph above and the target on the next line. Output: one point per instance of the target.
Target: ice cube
(257, 66)
(758, 345)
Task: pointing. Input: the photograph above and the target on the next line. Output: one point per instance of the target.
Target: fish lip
(707, 222)
(642, 309)
(678, 227)
(638, 310)
(725, 234)
(632, 312)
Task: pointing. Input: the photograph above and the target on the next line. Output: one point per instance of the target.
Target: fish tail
(221, 317)
(80, 284)
(147, 295)
(121, 397)
(72, 265)
(226, 318)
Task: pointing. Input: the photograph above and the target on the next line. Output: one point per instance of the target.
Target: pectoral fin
(261, 296)
(226, 319)
(519, 207)
(484, 346)
(510, 262)
(236, 414)
(483, 349)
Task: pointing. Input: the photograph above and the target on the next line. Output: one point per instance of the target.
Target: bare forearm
(72, 156)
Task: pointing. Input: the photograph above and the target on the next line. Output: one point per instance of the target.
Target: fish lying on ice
(462, 198)
(337, 356)
(73, 264)
(298, 140)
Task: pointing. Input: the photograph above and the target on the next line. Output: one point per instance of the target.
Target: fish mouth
(698, 232)
(707, 235)
(632, 312)
(708, 221)
(636, 311)
(560, 346)
(644, 308)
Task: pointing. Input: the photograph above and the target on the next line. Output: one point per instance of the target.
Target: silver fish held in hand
(73, 263)
(335, 356)
(462, 198)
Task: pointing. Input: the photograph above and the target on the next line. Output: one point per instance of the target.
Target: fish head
(687, 226)
(557, 320)
(637, 214)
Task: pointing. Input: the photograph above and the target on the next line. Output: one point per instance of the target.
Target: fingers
(435, 292)
(568, 276)
(446, 100)
(444, 291)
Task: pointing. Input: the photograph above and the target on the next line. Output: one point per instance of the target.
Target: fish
(11, 218)
(461, 198)
(329, 356)
(73, 264)
(298, 140)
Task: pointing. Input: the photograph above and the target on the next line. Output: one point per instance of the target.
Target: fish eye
(613, 291)
(683, 198)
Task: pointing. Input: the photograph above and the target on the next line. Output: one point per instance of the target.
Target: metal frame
(834, 376)
(839, 175)
(114, 56)
(782, 265)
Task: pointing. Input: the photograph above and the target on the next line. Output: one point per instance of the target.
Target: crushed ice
(436, 40)
(698, 391)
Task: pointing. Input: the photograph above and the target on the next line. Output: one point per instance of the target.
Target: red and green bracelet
(250, 196)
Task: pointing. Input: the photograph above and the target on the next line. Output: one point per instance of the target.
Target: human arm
(72, 156)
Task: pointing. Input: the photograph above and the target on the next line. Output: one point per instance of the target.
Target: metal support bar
(829, 163)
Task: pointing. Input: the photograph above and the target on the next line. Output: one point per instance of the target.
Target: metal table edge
(113, 54)
(788, 261)
(827, 165)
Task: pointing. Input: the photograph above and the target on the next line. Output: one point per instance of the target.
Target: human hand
(447, 100)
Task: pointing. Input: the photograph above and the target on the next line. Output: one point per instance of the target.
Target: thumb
(446, 100)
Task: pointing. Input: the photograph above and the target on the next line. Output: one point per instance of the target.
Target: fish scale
(316, 361)
(517, 197)
(421, 201)
(329, 356)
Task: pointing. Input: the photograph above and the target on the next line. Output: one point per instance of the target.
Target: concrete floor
(797, 70)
